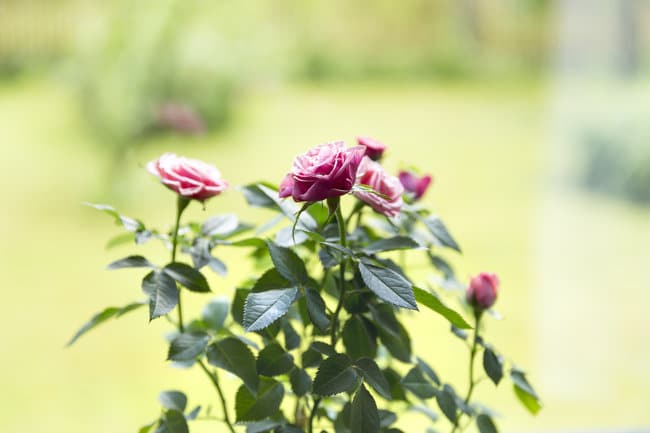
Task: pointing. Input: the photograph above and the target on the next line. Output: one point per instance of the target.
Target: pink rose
(371, 173)
(374, 148)
(482, 290)
(189, 178)
(413, 184)
(326, 171)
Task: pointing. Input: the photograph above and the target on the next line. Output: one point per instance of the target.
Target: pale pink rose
(482, 290)
(371, 173)
(326, 171)
(189, 178)
(374, 149)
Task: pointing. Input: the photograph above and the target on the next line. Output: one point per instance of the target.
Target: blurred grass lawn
(482, 144)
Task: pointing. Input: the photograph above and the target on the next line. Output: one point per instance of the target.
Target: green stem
(472, 382)
(215, 381)
(314, 409)
(181, 204)
(343, 240)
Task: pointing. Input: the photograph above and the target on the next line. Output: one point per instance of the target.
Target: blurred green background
(530, 114)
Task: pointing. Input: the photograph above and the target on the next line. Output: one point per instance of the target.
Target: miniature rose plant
(316, 338)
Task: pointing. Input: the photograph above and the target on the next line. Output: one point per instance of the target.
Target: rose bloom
(189, 178)
(374, 149)
(482, 290)
(413, 184)
(326, 171)
(373, 174)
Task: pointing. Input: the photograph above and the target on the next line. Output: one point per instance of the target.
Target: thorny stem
(215, 381)
(472, 382)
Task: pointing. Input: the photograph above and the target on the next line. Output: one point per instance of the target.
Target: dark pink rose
(374, 148)
(413, 184)
(189, 178)
(482, 290)
(326, 171)
(371, 173)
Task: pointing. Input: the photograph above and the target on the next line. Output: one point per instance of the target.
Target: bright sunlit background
(532, 116)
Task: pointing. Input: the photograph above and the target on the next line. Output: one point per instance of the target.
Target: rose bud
(372, 174)
(374, 149)
(482, 291)
(189, 178)
(326, 171)
(414, 185)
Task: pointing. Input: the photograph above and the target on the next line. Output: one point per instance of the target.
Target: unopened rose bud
(414, 185)
(374, 149)
(482, 291)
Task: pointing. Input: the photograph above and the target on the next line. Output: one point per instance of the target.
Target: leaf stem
(181, 204)
(343, 240)
(215, 381)
(314, 409)
(472, 382)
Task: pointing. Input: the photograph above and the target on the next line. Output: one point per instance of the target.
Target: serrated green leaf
(215, 312)
(399, 345)
(300, 381)
(391, 244)
(162, 291)
(373, 376)
(173, 400)
(262, 309)
(388, 285)
(291, 337)
(322, 347)
(357, 339)
(493, 365)
(131, 262)
(187, 276)
(187, 346)
(447, 403)
(101, 317)
(288, 263)
(316, 309)
(335, 375)
(266, 403)
(415, 382)
(271, 280)
(434, 303)
(311, 358)
(273, 360)
(440, 232)
(237, 306)
(234, 356)
(485, 424)
(364, 417)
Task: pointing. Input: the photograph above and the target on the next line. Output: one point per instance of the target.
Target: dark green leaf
(131, 262)
(443, 266)
(215, 312)
(311, 358)
(460, 333)
(388, 285)
(316, 309)
(191, 415)
(415, 382)
(485, 424)
(386, 418)
(173, 421)
(395, 383)
(399, 345)
(300, 381)
(271, 280)
(220, 225)
(364, 417)
(266, 403)
(237, 307)
(342, 421)
(390, 244)
(103, 316)
(357, 339)
(263, 196)
(290, 428)
(447, 403)
(426, 411)
(291, 337)
(440, 232)
(493, 365)
(187, 276)
(335, 375)
(262, 309)
(525, 392)
(273, 360)
(162, 291)
(434, 303)
(173, 400)
(234, 356)
(323, 348)
(426, 369)
(187, 346)
(263, 426)
(374, 377)
(288, 264)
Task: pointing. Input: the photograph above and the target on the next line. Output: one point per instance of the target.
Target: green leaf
(373, 376)
(322, 347)
(215, 312)
(220, 225)
(335, 375)
(440, 232)
(187, 276)
(173, 421)
(237, 307)
(291, 337)
(263, 196)
(357, 339)
(447, 403)
(234, 356)
(311, 358)
(493, 365)
(273, 360)
(162, 291)
(101, 317)
(525, 392)
(399, 345)
(415, 382)
(316, 309)
(262, 309)
(391, 244)
(364, 417)
(434, 303)
(386, 418)
(129, 224)
(173, 400)
(187, 346)
(427, 370)
(288, 264)
(271, 280)
(485, 424)
(388, 285)
(131, 262)
(300, 381)
(266, 403)
(394, 381)
(263, 426)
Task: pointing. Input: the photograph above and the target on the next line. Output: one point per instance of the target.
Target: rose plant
(316, 338)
